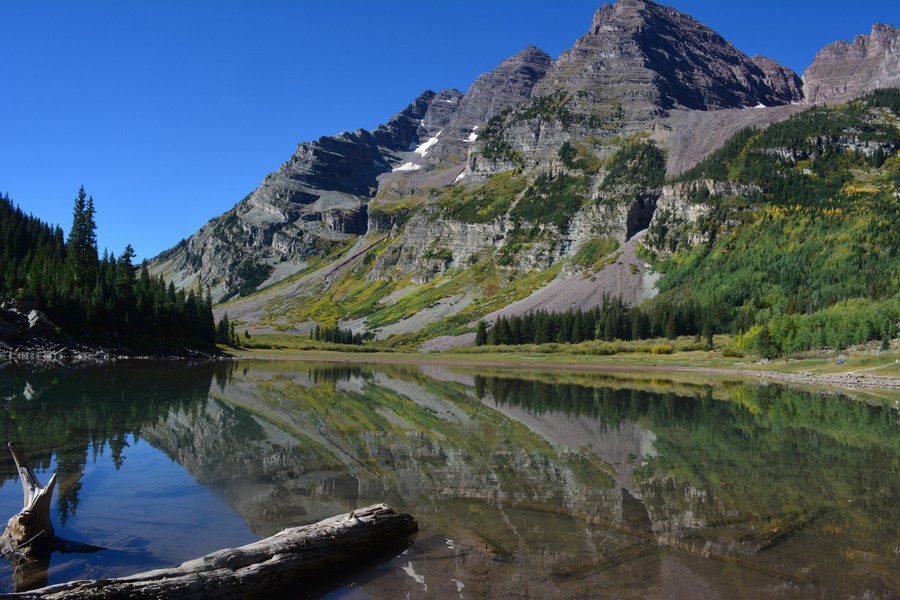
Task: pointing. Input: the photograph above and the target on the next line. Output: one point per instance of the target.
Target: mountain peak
(530, 55)
(843, 70)
(530, 50)
(507, 85)
(650, 57)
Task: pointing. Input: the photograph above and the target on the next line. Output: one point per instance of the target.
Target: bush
(593, 250)
(662, 349)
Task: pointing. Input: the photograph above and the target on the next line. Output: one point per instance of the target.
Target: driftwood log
(265, 567)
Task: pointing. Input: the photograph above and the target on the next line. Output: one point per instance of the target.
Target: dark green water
(542, 485)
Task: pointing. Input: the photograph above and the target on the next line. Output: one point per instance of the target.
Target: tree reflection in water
(555, 484)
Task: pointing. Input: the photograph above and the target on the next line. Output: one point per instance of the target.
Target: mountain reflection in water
(546, 485)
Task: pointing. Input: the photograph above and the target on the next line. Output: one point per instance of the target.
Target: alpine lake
(525, 483)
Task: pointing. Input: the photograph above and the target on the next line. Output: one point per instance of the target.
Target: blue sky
(170, 112)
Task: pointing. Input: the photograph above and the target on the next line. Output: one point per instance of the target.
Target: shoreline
(851, 380)
(40, 351)
(71, 353)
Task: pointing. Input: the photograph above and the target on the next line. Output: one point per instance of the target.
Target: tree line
(87, 295)
(336, 335)
(613, 320)
(846, 323)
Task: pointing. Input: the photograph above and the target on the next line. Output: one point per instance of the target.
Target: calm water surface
(537, 484)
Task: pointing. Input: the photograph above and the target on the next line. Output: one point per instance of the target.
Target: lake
(537, 484)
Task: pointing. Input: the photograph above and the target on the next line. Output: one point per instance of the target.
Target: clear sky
(170, 112)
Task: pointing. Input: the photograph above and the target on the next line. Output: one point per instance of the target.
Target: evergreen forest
(92, 297)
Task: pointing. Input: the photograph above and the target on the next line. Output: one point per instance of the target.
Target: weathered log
(30, 532)
(255, 570)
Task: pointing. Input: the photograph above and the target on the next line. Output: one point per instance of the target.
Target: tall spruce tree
(481, 334)
(82, 257)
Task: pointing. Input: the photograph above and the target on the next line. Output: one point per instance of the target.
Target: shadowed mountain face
(315, 202)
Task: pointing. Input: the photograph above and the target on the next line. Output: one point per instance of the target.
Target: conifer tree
(82, 243)
(481, 334)
(223, 330)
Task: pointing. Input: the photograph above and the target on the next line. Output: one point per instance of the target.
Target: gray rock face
(650, 57)
(785, 84)
(842, 70)
(314, 202)
(507, 86)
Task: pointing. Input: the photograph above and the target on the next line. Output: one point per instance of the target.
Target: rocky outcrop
(842, 71)
(784, 83)
(20, 320)
(509, 85)
(680, 206)
(455, 121)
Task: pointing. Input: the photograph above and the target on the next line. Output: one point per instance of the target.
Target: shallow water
(543, 485)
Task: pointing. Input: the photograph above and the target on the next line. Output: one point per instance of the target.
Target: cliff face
(842, 71)
(784, 83)
(507, 86)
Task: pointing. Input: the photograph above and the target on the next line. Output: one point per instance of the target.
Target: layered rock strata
(842, 71)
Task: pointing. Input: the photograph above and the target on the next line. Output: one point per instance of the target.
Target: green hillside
(808, 255)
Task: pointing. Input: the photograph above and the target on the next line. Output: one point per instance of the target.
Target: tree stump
(29, 533)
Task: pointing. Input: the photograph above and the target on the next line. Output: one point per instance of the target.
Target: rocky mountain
(544, 171)
(508, 85)
(651, 57)
(317, 201)
(313, 203)
(841, 71)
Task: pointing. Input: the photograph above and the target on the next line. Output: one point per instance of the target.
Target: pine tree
(671, 327)
(765, 344)
(577, 334)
